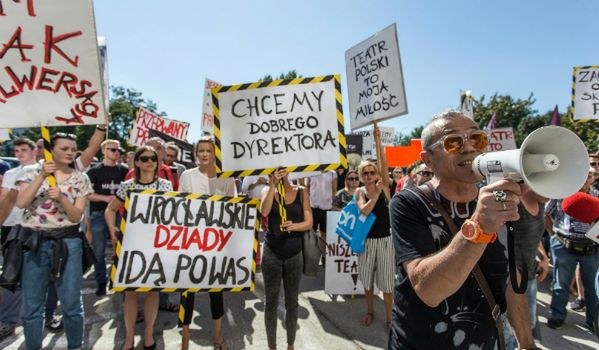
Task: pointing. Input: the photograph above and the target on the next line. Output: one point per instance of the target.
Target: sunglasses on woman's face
(145, 159)
(454, 143)
(352, 179)
(426, 173)
(369, 173)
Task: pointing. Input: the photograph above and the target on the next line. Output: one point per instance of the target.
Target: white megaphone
(553, 161)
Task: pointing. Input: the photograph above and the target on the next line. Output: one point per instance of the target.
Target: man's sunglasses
(594, 163)
(453, 143)
(145, 159)
(113, 149)
(426, 173)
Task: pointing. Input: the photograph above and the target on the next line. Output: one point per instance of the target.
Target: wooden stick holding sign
(381, 160)
(48, 153)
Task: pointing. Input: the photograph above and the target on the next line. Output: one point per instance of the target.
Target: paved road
(325, 323)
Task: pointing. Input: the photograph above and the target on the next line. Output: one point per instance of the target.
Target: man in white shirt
(10, 215)
(322, 191)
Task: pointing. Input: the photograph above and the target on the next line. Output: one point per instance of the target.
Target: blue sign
(353, 226)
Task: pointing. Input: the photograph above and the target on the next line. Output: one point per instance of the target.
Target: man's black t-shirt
(463, 320)
(106, 180)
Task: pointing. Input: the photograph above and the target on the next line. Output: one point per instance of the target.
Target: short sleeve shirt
(45, 213)
(105, 180)
(564, 224)
(461, 321)
(129, 185)
(10, 183)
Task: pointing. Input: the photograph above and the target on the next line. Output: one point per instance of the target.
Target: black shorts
(319, 219)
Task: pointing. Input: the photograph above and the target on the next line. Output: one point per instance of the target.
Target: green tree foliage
(404, 139)
(124, 104)
(510, 112)
(588, 132)
(292, 74)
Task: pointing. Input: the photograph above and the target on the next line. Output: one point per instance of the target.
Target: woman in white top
(146, 177)
(203, 180)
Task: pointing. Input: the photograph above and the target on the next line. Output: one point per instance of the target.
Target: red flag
(555, 118)
(492, 122)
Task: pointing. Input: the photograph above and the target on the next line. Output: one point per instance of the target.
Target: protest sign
(51, 73)
(292, 123)
(501, 139)
(186, 152)
(585, 93)
(354, 150)
(403, 156)
(341, 268)
(146, 120)
(375, 79)
(207, 113)
(186, 242)
(368, 144)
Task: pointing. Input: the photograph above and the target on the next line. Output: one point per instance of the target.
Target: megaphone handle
(519, 288)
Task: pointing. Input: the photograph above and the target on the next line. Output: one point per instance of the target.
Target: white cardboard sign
(278, 126)
(185, 243)
(585, 90)
(341, 269)
(207, 113)
(368, 145)
(146, 120)
(51, 73)
(375, 79)
(501, 139)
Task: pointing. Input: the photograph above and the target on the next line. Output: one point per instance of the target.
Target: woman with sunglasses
(377, 262)
(344, 195)
(52, 238)
(282, 258)
(146, 178)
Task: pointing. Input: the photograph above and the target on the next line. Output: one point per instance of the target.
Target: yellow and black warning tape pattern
(281, 82)
(574, 90)
(243, 200)
(48, 153)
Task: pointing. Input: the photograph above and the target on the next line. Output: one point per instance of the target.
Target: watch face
(468, 230)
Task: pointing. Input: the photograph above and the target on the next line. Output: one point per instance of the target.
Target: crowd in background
(54, 222)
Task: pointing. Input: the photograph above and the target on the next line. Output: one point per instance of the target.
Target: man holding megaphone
(452, 269)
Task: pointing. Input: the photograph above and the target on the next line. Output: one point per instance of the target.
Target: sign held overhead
(375, 79)
(51, 72)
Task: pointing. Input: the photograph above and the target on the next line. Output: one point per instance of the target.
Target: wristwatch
(471, 231)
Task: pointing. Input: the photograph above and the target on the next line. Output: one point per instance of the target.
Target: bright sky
(511, 47)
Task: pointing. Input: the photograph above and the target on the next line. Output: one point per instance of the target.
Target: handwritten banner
(296, 124)
(501, 139)
(181, 241)
(341, 268)
(585, 93)
(51, 73)
(207, 113)
(186, 151)
(375, 79)
(369, 147)
(147, 120)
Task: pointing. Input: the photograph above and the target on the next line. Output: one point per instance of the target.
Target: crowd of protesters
(423, 266)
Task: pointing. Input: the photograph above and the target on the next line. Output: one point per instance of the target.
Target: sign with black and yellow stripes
(175, 241)
(585, 94)
(291, 123)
